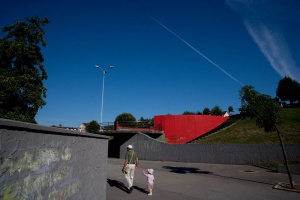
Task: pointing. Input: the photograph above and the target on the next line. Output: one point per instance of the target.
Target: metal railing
(107, 126)
(131, 125)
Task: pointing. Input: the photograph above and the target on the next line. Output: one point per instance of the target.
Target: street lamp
(104, 71)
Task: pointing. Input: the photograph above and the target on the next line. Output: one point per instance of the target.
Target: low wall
(39, 162)
(150, 149)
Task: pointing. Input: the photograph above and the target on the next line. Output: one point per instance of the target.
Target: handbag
(126, 170)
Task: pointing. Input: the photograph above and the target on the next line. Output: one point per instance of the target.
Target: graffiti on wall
(33, 175)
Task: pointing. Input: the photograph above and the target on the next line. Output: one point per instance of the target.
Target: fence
(131, 125)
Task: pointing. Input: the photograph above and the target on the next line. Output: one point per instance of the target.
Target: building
(82, 127)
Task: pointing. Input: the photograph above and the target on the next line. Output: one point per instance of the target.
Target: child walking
(150, 180)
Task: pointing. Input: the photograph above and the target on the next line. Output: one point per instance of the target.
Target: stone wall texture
(148, 148)
(39, 162)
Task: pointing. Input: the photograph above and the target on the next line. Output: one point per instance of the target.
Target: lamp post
(104, 71)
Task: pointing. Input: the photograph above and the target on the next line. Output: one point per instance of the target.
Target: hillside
(246, 132)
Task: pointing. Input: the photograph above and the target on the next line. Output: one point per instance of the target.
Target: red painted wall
(180, 129)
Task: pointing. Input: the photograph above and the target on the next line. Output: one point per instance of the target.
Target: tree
(206, 111)
(126, 118)
(248, 97)
(216, 111)
(92, 127)
(145, 122)
(288, 90)
(142, 119)
(188, 113)
(21, 70)
(230, 109)
(264, 110)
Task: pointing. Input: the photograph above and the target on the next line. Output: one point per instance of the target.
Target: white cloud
(263, 21)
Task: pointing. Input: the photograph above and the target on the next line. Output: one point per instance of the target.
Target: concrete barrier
(39, 162)
(148, 148)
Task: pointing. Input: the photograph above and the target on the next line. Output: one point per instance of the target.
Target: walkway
(191, 181)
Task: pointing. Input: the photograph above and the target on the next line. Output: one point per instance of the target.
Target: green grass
(246, 132)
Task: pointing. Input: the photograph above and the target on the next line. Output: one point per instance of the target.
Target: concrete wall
(150, 149)
(39, 162)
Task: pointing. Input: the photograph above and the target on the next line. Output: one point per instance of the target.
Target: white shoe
(150, 194)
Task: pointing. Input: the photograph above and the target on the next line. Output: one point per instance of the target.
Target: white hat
(129, 147)
(150, 171)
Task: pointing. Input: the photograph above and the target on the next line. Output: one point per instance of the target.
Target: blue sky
(168, 56)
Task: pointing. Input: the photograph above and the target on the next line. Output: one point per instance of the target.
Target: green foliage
(248, 97)
(92, 127)
(142, 123)
(146, 120)
(21, 70)
(260, 107)
(246, 131)
(125, 117)
(230, 109)
(188, 113)
(267, 113)
(216, 111)
(288, 90)
(163, 139)
(206, 111)
(142, 119)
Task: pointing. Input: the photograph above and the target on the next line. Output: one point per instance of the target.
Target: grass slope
(246, 132)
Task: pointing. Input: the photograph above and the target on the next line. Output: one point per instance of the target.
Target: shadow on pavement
(117, 184)
(185, 170)
(140, 189)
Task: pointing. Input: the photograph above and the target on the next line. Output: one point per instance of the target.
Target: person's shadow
(121, 186)
(140, 189)
(117, 184)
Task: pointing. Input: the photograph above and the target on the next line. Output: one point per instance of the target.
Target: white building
(82, 127)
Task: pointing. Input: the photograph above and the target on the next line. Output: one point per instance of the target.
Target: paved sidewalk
(191, 181)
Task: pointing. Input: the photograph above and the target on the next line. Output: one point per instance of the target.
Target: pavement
(191, 181)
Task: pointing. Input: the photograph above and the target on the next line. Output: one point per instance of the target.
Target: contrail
(201, 54)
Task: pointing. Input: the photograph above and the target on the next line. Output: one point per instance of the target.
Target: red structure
(180, 129)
